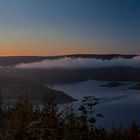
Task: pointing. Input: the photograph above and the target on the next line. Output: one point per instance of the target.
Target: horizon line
(73, 54)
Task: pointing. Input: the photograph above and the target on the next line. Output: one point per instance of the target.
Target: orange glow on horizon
(37, 48)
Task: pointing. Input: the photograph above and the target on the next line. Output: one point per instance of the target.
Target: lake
(118, 104)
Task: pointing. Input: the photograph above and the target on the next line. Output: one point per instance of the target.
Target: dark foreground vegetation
(25, 121)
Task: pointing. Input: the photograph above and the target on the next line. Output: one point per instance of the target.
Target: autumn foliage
(25, 121)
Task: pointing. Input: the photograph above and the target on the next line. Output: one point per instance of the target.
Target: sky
(57, 27)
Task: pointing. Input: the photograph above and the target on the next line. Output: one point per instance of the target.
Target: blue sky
(52, 27)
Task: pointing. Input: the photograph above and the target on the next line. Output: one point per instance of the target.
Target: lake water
(118, 104)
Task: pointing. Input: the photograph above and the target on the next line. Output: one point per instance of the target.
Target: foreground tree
(25, 121)
(21, 115)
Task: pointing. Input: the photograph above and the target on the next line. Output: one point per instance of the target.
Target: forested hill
(13, 88)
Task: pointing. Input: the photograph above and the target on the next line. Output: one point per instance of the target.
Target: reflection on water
(118, 104)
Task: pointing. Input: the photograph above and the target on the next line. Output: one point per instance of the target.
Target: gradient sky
(53, 27)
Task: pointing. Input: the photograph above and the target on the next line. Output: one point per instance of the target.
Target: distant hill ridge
(14, 60)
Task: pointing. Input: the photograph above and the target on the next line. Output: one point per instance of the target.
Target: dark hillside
(12, 88)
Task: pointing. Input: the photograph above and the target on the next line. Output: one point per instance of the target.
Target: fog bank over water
(72, 63)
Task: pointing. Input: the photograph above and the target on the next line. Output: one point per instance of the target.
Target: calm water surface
(118, 104)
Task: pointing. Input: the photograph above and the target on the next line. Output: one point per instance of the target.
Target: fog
(68, 62)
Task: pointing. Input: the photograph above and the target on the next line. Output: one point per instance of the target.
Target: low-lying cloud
(68, 63)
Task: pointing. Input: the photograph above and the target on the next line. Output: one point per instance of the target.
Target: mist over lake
(114, 79)
(73, 63)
